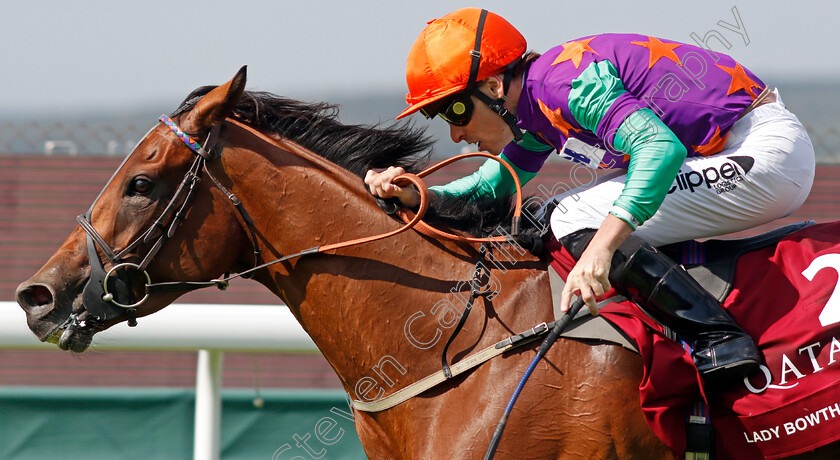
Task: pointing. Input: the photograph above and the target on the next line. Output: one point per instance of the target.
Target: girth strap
(439, 377)
(470, 362)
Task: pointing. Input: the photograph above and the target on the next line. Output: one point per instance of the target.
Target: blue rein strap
(558, 328)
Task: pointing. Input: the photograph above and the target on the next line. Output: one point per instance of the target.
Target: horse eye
(141, 186)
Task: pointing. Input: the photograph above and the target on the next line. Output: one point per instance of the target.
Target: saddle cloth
(787, 297)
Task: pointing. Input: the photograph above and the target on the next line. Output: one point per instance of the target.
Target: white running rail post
(208, 407)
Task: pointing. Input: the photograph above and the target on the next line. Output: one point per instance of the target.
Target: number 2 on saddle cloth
(786, 295)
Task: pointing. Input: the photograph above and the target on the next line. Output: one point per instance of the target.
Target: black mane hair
(315, 126)
(358, 148)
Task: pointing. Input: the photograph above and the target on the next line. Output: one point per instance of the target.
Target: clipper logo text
(721, 178)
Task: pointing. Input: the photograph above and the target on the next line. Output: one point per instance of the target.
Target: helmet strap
(509, 117)
(475, 54)
(509, 71)
(497, 105)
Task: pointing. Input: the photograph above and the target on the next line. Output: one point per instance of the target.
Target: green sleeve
(655, 159)
(656, 153)
(593, 92)
(492, 180)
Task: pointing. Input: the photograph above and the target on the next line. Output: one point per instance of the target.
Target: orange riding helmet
(440, 59)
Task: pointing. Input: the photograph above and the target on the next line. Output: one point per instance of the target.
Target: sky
(72, 56)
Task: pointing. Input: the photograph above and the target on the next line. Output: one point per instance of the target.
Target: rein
(106, 305)
(422, 227)
(411, 219)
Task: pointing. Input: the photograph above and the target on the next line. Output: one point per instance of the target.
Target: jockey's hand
(590, 276)
(588, 279)
(381, 185)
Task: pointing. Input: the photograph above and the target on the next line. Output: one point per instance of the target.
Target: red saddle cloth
(787, 298)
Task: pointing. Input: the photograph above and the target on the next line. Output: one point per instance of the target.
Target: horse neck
(354, 303)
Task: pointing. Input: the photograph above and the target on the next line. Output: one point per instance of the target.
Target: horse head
(98, 276)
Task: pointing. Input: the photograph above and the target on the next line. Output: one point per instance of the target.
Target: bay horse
(378, 312)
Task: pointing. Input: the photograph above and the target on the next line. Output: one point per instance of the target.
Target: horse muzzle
(54, 317)
(43, 313)
(69, 313)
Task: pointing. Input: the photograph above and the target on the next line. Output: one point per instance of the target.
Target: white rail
(208, 329)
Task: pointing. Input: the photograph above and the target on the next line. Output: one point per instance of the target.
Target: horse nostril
(34, 296)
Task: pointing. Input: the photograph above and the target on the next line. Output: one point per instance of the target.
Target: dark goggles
(455, 110)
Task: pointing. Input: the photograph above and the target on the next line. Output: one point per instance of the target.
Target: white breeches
(764, 172)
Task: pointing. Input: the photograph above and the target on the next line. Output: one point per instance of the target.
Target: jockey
(698, 144)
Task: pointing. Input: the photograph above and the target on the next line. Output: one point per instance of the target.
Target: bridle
(108, 295)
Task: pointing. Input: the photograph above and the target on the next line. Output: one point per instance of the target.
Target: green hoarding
(41, 423)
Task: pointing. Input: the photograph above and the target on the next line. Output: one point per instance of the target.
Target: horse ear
(215, 105)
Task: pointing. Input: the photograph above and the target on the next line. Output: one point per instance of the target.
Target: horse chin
(76, 333)
(74, 341)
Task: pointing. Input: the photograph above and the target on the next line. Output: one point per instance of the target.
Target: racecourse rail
(210, 329)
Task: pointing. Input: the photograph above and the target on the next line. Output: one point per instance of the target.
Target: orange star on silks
(574, 51)
(659, 50)
(556, 119)
(714, 145)
(740, 80)
(624, 160)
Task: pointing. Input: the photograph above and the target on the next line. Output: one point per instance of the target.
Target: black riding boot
(722, 350)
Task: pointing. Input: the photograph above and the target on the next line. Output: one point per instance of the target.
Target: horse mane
(358, 148)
